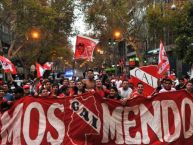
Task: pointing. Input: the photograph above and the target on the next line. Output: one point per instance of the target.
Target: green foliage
(107, 16)
(53, 21)
(184, 39)
(32, 14)
(182, 43)
(179, 22)
(110, 70)
(155, 19)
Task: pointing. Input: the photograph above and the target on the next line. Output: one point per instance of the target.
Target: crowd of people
(106, 86)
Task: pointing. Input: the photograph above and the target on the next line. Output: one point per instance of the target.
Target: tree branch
(17, 50)
(11, 48)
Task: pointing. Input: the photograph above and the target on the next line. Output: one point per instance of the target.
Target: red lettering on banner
(166, 118)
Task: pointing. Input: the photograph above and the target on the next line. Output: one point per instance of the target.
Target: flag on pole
(85, 47)
(40, 70)
(163, 62)
(7, 65)
(48, 65)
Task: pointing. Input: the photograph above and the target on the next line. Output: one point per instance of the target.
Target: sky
(78, 26)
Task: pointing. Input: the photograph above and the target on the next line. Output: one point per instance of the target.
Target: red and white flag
(147, 75)
(85, 47)
(48, 65)
(163, 62)
(40, 70)
(7, 65)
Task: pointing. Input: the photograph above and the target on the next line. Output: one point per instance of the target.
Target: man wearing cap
(26, 89)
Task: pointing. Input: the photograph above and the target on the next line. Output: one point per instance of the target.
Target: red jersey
(72, 92)
(102, 92)
(135, 94)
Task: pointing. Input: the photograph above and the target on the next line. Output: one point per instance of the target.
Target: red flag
(163, 63)
(146, 75)
(84, 47)
(48, 65)
(40, 70)
(7, 65)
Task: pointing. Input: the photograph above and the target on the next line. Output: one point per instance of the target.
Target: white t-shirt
(118, 83)
(125, 93)
(164, 90)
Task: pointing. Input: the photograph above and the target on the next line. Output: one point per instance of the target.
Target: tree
(179, 22)
(52, 21)
(126, 16)
(184, 40)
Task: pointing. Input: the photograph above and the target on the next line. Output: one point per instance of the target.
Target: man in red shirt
(136, 93)
(100, 89)
(139, 91)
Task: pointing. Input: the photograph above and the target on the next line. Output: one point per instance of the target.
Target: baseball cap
(26, 87)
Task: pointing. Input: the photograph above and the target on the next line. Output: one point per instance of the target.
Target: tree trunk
(1, 47)
(11, 49)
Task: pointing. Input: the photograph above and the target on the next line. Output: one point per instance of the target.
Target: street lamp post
(122, 52)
